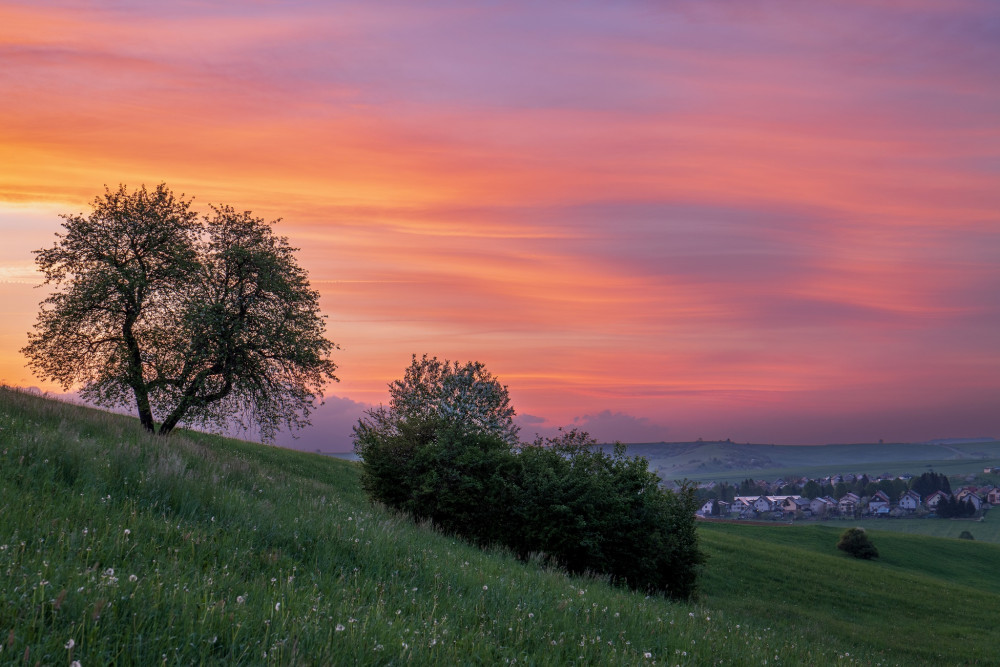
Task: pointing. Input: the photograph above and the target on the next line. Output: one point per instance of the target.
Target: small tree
(812, 489)
(855, 541)
(433, 397)
(191, 321)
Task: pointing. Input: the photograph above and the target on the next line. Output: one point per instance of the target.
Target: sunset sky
(765, 221)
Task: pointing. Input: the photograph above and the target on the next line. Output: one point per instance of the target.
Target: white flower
(127, 532)
(277, 606)
(647, 654)
(240, 599)
(70, 644)
(132, 577)
(339, 628)
(75, 663)
(485, 588)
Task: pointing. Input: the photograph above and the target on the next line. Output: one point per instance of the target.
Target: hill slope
(121, 548)
(730, 461)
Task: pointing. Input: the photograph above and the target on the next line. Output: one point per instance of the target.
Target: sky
(766, 221)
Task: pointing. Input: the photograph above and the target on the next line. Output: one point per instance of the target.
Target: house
(933, 499)
(706, 509)
(746, 505)
(848, 504)
(822, 506)
(879, 503)
(970, 496)
(993, 497)
(795, 504)
(762, 504)
(909, 501)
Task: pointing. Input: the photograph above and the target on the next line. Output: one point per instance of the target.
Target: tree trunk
(135, 378)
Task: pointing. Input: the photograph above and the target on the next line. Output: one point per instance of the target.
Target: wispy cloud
(690, 213)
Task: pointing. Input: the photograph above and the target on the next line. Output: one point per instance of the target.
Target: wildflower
(240, 599)
(127, 532)
(530, 615)
(75, 663)
(485, 587)
(132, 577)
(339, 628)
(70, 644)
(647, 654)
(277, 606)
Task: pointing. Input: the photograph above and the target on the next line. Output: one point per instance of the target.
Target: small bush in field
(856, 542)
(966, 535)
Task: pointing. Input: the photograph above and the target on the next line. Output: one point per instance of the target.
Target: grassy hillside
(733, 462)
(933, 600)
(121, 548)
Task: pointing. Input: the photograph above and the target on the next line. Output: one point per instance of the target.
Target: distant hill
(726, 460)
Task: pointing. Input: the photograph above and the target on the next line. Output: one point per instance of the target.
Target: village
(848, 496)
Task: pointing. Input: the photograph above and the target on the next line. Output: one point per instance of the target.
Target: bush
(966, 535)
(580, 507)
(855, 541)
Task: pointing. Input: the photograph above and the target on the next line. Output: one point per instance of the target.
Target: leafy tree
(929, 482)
(191, 321)
(812, 489)
(465, 396)
(856, 542)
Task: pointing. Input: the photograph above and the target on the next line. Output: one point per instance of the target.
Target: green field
(734, 462)
(117, 547)
(985, 530)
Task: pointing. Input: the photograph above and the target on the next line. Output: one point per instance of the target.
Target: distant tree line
(863, 486)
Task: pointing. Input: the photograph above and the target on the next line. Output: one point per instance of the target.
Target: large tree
(197, 321)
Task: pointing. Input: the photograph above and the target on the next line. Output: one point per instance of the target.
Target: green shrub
(855, 541)
(966, 535)
(575, 505)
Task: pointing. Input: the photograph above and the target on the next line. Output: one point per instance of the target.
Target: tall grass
(117, 547)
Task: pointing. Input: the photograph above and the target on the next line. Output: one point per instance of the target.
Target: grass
(117, 547)
(936, 601)
(987, 530)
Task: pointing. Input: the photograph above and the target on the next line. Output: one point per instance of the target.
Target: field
(986, 530)
(734, 462)
(117, 547)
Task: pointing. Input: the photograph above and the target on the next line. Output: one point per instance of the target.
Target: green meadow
(734, 462)
(117, 547)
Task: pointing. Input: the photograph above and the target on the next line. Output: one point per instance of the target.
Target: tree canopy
(463, 396)
(197, 321)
